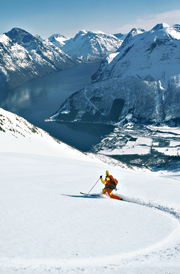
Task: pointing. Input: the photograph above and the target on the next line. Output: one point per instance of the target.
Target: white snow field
(47, 226)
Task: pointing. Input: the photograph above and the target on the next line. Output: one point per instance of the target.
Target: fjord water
(38, 99)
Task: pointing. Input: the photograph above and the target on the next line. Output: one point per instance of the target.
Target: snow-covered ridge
(17, 135)
(143, 51)
(104, 64)
(88, 46)
(129, 37)
(58, 40)
(24, 57)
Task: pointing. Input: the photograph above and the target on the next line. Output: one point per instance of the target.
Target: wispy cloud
(148, 22)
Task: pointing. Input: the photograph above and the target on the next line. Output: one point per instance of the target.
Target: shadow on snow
(86, 196)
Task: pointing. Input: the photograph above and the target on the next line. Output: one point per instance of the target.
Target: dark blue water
(38, 99)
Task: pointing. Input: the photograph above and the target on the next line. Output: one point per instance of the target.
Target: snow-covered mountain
(130, 36)
(47, 226)
(58, 40)
(88, 46)
(147, 55)
(24, 57)
(104, 64)
(141, 81)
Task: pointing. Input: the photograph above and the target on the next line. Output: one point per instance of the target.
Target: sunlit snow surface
(47, 226)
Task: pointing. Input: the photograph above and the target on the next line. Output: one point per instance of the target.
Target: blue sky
(67, 17)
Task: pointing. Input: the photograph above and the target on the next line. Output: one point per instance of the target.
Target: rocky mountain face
(140, 84)
(88, 46)
(24, 57)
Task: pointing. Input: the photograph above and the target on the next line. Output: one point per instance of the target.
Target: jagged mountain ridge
(24, 57)
(144, 54)
(88, 46)
(141, 84)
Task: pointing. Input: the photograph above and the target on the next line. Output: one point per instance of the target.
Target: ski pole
(93, 186)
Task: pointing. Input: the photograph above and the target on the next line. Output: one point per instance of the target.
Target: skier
(110, 184)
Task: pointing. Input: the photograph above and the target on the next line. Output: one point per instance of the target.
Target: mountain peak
(26, 56)
(17, 34)
(80, 33)
(131, 35)
(17, 31)
(58, 39)
(136, 31)
(57, 36)
(160, 26)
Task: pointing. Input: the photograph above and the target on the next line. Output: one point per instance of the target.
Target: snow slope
(18, 135)
(46, 226)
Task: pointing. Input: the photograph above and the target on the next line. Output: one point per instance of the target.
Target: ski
(96, 195)
(83, 193)
(90, 195)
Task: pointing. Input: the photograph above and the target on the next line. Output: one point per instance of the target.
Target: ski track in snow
(165, 252)
(170, 211)
(130, 263)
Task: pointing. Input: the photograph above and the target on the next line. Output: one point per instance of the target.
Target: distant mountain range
(139, 83)
(138, 79)
(88, 46)
(24, 56)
